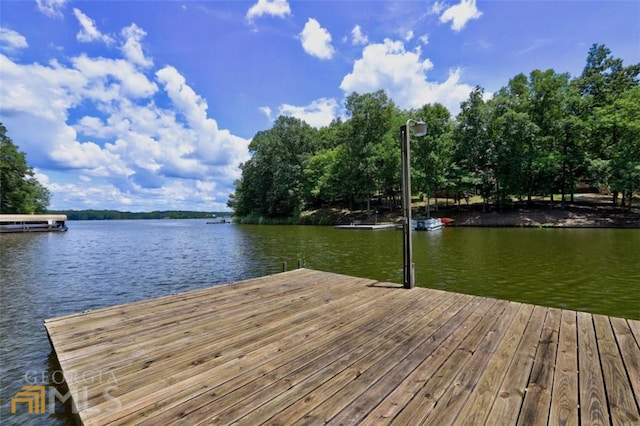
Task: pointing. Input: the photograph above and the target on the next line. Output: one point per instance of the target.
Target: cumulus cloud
(146, 140)
(132, 47)
(358, 37)
(267, 112)
(403, 75)
(278, 8)
(88, 31)
(51, 8)
(318, 113)
(459, 14)
(12, 41)
(316, 41)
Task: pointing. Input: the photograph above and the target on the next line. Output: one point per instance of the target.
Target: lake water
(103, 263)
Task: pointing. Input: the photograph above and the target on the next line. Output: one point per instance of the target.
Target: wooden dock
(308, 347)
(32, 223)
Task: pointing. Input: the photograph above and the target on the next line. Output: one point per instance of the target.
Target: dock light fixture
(419, 128)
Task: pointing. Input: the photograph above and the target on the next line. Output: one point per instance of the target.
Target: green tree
(367, 140)
(20, 192)
(548, 95)
(272, 182)
(474, 156)
(619, 126)
(603, 82)
(432, 153)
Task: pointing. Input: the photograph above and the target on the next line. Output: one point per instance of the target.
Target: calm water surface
(98, 264)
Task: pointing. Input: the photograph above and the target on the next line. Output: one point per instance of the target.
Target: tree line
(20, 191)
(120, 215)
(541, 134)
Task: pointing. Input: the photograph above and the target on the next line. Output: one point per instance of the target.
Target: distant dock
(309, 347)
(367, 227)
(32, 223)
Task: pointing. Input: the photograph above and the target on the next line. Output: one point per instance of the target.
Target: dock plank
(310, 347)
(593, 399)
(537, 400)
(630, 352)
(506, 408)
(481, 399)
(302, 362)
(623, 408)
(565, 402)
(421, 405)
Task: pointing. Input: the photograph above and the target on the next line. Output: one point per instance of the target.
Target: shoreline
(536, 215)
(541, 215)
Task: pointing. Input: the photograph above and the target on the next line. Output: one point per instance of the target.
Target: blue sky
(150, 105)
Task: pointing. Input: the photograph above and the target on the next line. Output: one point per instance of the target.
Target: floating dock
(32, 222)
(309, 347)
(367, 227)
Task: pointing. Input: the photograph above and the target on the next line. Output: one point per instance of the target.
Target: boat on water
(429, 223)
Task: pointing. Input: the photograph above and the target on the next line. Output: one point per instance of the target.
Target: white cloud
(460, 14)
(408, 36)
(403, 75)
(316, 41)
(211, 145)
(88, 31)
(139, 151)
(358, 38)
(279, 8)
(318, 114)
(12, 41)
(132, 47)
(51, 8)
(438, 7)
(101, 72)
(267, 112)
(424, 39)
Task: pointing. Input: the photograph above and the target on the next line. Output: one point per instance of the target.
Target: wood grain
(310, 347)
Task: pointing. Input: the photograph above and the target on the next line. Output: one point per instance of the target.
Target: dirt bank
(572, 217)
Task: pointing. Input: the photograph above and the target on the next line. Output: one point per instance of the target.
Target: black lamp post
(419, 128)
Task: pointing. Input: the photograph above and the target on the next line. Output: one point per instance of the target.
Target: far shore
(587, 211)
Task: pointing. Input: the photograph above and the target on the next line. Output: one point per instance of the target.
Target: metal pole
(409, 278)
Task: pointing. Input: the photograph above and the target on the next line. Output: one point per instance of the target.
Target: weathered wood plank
(430, 394)
(564, 398)
(248, 391)
(537, 400)
(67, 323)
(226, 324)
(451, 403)
(375, 394)
(630, 352)
(593, 400)
(201, 355)
(180, 313)
(506, 407)
(635, 329)
(622, 405)
(339, 390)
(388, 408)
(481, 399)
(215, 366)
(308, 347)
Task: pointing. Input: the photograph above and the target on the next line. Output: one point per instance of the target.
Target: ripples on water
(98, 264)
